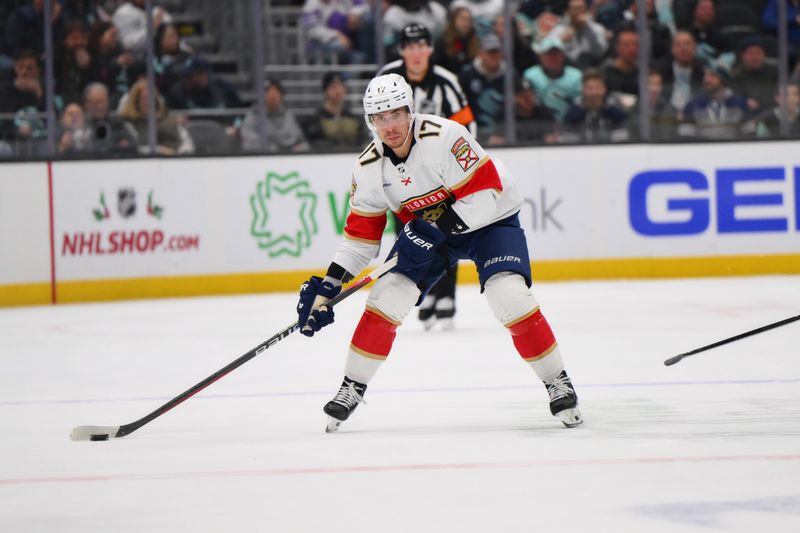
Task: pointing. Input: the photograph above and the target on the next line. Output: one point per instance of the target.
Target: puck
(99, 437)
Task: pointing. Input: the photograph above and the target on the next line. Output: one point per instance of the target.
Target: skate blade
(333, 425)
(570, 417)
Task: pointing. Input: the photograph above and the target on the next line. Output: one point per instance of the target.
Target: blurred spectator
(712, 45)
(622, 71)
(683, 73)
(584, 39)
(200, 89)
(531, 9)
(717, 113)
(660, 32)
(459, 43)
(108, 134)
(769, 21)
(542, 26)
(483, 83)
(594, 120)
(556, 83)
(533, 123)
(171, 137)
(769, 123)
(87, 11)
(343, 27)
(333, 124)
(483, 12)
(131, 21)
(24, 30)
(74, 136)
(436, 89)
(524, 56)
(401, 13)
(109, 60)
(754, 77)
(171, 55)
(663, 117)
(282, 130)
(72, 65)
(24, 96)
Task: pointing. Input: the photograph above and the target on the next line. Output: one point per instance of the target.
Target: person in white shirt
(457, 203)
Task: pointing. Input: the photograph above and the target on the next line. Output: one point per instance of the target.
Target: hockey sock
(372, 341)
(537, 345)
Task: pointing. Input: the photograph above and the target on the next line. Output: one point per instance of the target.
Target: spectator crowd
(712, 73)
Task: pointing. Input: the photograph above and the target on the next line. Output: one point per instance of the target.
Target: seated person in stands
(130, 19)
(109, 61)
(712, 44)
(200, 89)
(717, 113)
(682, 73)
(333, 124)
(585, 42)
(171, 55)
(621, 72)
(109, 134)
(753, 77)
(663, 117)
(483, 82)
(401, 13)
(459, 44)
(556, 83)
(594, 120)
(171, 137)
(534, 123)
(72, 66)
(74, 137)
(282, 130)
(24, 95)
(769, 123)
(343, 27)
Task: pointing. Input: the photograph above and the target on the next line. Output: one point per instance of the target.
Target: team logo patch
(464, 154)
(429, 206)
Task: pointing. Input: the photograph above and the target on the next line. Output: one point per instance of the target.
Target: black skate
(563, 400)
(350, 394)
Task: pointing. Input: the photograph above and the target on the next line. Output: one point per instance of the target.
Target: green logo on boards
(286, 229)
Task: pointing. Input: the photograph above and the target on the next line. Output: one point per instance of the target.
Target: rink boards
(101, 230)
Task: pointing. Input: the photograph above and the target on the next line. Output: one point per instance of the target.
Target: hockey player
(436, 91)
(456, 203)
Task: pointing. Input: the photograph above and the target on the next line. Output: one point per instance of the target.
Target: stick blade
(672, 360)
(82, 433)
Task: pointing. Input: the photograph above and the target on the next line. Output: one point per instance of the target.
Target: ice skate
(445, 311)
(350, 394)
(564, 401)
(427, 314)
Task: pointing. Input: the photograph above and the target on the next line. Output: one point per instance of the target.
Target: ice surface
(456, 435)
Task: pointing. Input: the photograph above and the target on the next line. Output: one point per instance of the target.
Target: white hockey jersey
(445, 169)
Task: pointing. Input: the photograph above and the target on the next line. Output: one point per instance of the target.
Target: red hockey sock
(374, 335)
(532, 336)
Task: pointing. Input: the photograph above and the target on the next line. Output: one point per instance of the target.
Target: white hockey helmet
(387, 92)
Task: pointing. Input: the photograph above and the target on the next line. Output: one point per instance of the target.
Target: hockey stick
(106, 432)
(672, 360)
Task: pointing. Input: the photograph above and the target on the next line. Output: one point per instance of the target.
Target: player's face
(392, 126)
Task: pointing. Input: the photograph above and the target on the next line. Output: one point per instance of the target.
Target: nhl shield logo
(126, 202)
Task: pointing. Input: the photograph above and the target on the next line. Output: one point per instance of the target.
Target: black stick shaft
(127, 429)
(675, 359)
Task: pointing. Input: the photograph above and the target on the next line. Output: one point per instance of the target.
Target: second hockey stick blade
(672, 360)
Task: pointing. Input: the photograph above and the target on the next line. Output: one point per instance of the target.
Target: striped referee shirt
(439, 93)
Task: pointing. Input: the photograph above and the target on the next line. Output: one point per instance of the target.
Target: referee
(436, 92)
